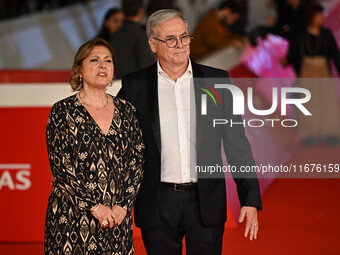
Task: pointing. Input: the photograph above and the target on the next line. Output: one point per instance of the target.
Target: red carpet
(301, 216)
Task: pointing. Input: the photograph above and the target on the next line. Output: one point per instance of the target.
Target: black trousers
(180, 217)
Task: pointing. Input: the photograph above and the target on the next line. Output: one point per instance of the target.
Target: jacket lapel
(197, 73)
(152, 94)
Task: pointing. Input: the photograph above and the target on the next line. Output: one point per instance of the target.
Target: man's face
(318, 19)
(174, 28)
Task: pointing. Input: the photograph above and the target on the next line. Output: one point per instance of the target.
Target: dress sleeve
(135, 163)
(61, 162)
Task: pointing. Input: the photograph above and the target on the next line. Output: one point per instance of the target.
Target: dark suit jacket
(140, 88)
(132, 48)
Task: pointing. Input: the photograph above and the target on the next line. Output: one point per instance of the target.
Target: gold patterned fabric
(91, 167)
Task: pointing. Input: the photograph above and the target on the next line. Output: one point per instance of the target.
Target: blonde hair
(82, 53)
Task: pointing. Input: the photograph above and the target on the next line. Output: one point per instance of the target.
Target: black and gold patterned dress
(91, 167)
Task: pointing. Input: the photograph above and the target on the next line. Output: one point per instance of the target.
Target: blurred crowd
(284, 39)
(238, 23)
(15, 8)
(278, 38)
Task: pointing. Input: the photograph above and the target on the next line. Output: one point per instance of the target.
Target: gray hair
(160, 17)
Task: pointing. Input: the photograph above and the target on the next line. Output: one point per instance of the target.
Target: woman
(95, 151)
(311, 53)
(113, 20)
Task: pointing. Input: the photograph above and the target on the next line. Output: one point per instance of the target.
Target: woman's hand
(105, 216)
(119, 214)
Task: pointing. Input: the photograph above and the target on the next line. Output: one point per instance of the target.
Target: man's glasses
(173, 41)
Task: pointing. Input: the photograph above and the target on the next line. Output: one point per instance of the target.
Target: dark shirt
(289, 19)
(132, 48)
(306, 44)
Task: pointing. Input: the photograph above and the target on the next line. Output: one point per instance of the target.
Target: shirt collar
(161, 71)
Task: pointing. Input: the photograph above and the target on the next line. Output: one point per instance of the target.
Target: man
(173, 203)
(290, 17)
(211, 32)
(130, 41)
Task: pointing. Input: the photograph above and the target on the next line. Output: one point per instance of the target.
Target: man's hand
(119, 214)
(252, 224)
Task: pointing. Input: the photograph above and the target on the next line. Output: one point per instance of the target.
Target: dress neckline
(115, 113)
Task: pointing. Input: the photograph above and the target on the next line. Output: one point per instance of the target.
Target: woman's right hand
(104, 215)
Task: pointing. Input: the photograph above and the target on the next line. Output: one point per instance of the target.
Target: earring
(80, 82)
(113, 81)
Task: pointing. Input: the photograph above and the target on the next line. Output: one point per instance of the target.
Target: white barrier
(49, 40)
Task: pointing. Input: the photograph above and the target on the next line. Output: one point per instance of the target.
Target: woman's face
(294, 3)
(97, 69)
(318, 19)
(114, 22)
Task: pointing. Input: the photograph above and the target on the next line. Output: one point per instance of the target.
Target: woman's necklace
(96, 108)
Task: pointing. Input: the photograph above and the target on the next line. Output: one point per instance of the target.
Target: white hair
(160, 17)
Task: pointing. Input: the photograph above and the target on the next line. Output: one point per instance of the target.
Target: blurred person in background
(289, 17)
(211, 32)
(15, 8)
(155, 5)
(130, 41)
(261, 13)
(113, 20)
(4, 10)
(95, 151)
(239, 26)
(193, 11)
(311, 53)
